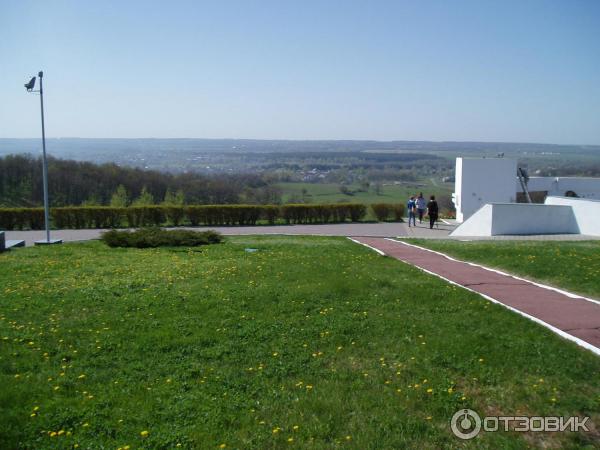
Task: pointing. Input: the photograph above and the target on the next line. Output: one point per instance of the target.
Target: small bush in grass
(158, 237)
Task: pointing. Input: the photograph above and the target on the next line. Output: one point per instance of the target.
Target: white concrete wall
(558, 186)
(457, 195)
(519, 219)
(525, 218)
(586, 211)
(483, 180)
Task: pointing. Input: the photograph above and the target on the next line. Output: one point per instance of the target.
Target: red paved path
(574, 316)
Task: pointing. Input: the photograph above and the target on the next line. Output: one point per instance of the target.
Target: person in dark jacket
(432, 211)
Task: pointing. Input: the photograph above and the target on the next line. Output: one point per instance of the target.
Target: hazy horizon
(568, 144)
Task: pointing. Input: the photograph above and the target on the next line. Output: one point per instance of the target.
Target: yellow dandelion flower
(144, 433)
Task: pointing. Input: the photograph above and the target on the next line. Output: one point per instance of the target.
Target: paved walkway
(441, 231)
(386, 229)
(569, 315)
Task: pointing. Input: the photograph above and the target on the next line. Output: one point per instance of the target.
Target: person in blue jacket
(411, 206)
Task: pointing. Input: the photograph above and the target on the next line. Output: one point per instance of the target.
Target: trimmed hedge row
(160, 215)
(387, 211)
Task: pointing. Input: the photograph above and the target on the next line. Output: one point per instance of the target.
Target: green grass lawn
(305, 343)
(572, 265)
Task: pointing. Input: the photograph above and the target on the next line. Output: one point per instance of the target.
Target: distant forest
(85, 183)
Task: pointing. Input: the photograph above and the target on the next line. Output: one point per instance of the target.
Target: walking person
(432, 211)
(411, 206)
(421, 204)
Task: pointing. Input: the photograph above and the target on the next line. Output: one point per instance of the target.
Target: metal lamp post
(29, 86)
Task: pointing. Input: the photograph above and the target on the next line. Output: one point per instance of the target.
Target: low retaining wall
(496, 219)
(586, 211)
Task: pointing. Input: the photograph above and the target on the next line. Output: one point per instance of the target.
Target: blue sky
(522, 71)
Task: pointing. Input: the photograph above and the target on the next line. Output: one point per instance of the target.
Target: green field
(330, 192)
(572, 265)
(304, 343)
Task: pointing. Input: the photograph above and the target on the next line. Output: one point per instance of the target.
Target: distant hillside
(79, 148)
(231, 155)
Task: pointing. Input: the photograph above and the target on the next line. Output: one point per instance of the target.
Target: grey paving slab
(339, 229)
(422, 231)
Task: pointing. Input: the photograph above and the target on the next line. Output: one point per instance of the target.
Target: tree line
(85, 183)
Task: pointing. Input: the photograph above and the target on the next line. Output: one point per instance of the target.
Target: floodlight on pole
(29, 86)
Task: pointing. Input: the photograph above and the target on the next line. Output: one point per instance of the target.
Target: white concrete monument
(485, 199)
(483, 180)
